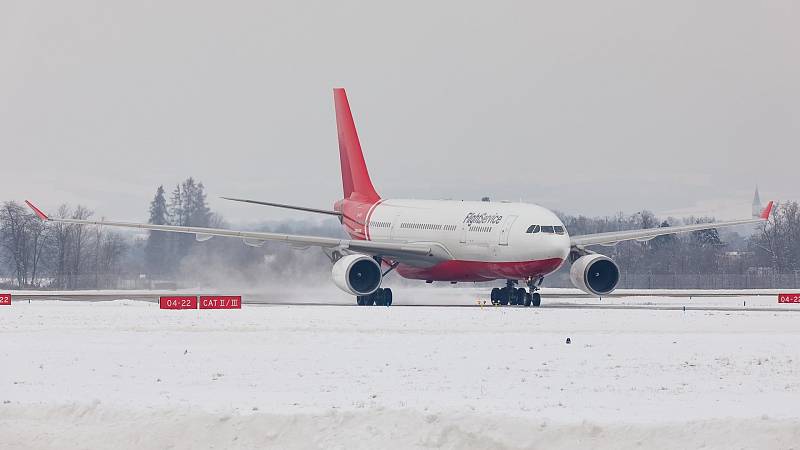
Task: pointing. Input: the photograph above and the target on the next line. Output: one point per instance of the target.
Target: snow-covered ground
(124, 374)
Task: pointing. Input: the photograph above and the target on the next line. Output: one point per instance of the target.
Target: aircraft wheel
(536, 299)
(528, 299)
(505, 295)
(380, 297)
(360, 300)
(387, 297)
(520, 296)
(495, 296)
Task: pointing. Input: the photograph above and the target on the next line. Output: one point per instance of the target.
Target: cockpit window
(547, 229)
(559, 229)
(533, 229)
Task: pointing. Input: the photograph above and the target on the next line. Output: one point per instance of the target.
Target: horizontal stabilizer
(281, 205)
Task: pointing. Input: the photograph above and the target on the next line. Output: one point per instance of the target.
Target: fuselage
(487, 240)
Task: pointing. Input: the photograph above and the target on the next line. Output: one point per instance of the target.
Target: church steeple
(757, 208)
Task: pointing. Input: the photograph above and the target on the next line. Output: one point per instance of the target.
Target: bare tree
(15, 240)
(61, 236)
(79, 241)
(779, 239)
(23, 237)
(39, 235)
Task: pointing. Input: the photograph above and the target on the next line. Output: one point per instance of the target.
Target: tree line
(36, 253)
(51, 255)
(772, 246)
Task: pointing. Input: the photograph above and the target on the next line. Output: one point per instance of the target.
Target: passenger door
(505, 228)
(462, 233)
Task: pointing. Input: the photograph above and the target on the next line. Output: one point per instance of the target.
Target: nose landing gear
(533, 295)
(510, 295)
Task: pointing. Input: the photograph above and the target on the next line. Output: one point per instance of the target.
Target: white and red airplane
(439, 240)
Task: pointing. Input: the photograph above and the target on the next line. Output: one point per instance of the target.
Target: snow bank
(93, 426)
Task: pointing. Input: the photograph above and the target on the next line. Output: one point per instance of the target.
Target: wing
(614, 237)
(413, 252)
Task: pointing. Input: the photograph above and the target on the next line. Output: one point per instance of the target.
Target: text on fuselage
(483, 218)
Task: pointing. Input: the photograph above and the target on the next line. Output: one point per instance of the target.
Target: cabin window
(533, 229)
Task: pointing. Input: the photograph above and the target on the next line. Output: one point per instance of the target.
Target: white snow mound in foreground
(92, 426)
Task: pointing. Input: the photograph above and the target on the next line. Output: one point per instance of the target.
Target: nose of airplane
(560, 246)
(549, 246)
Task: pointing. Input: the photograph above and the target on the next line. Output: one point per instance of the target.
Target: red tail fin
(355, 178)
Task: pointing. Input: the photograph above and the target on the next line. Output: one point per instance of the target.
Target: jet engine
(357, 274)
(594, 274)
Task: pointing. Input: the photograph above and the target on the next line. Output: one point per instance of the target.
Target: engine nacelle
(357, 274)
(594, 274)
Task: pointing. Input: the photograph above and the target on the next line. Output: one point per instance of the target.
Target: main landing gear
(510, 295)
(381, 297)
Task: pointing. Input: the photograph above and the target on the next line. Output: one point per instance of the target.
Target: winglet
(38, 211)
(767, 211)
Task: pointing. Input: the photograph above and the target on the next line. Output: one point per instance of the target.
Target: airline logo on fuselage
(483, 218)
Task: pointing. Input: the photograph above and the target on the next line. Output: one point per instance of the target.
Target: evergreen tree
(157, 248)
(200, 213)
(175, 207)
(187, 207)
(666, 241)
(177, 217)
(707, 238)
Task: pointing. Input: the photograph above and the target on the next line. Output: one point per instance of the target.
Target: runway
(639, 300)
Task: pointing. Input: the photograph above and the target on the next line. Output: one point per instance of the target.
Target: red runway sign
(220, 302)
(178, 302)
(5, 299)
(788, 298)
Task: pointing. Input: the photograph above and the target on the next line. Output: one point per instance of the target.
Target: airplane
(438, 240)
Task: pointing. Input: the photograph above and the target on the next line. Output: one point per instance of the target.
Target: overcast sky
(587, 107)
